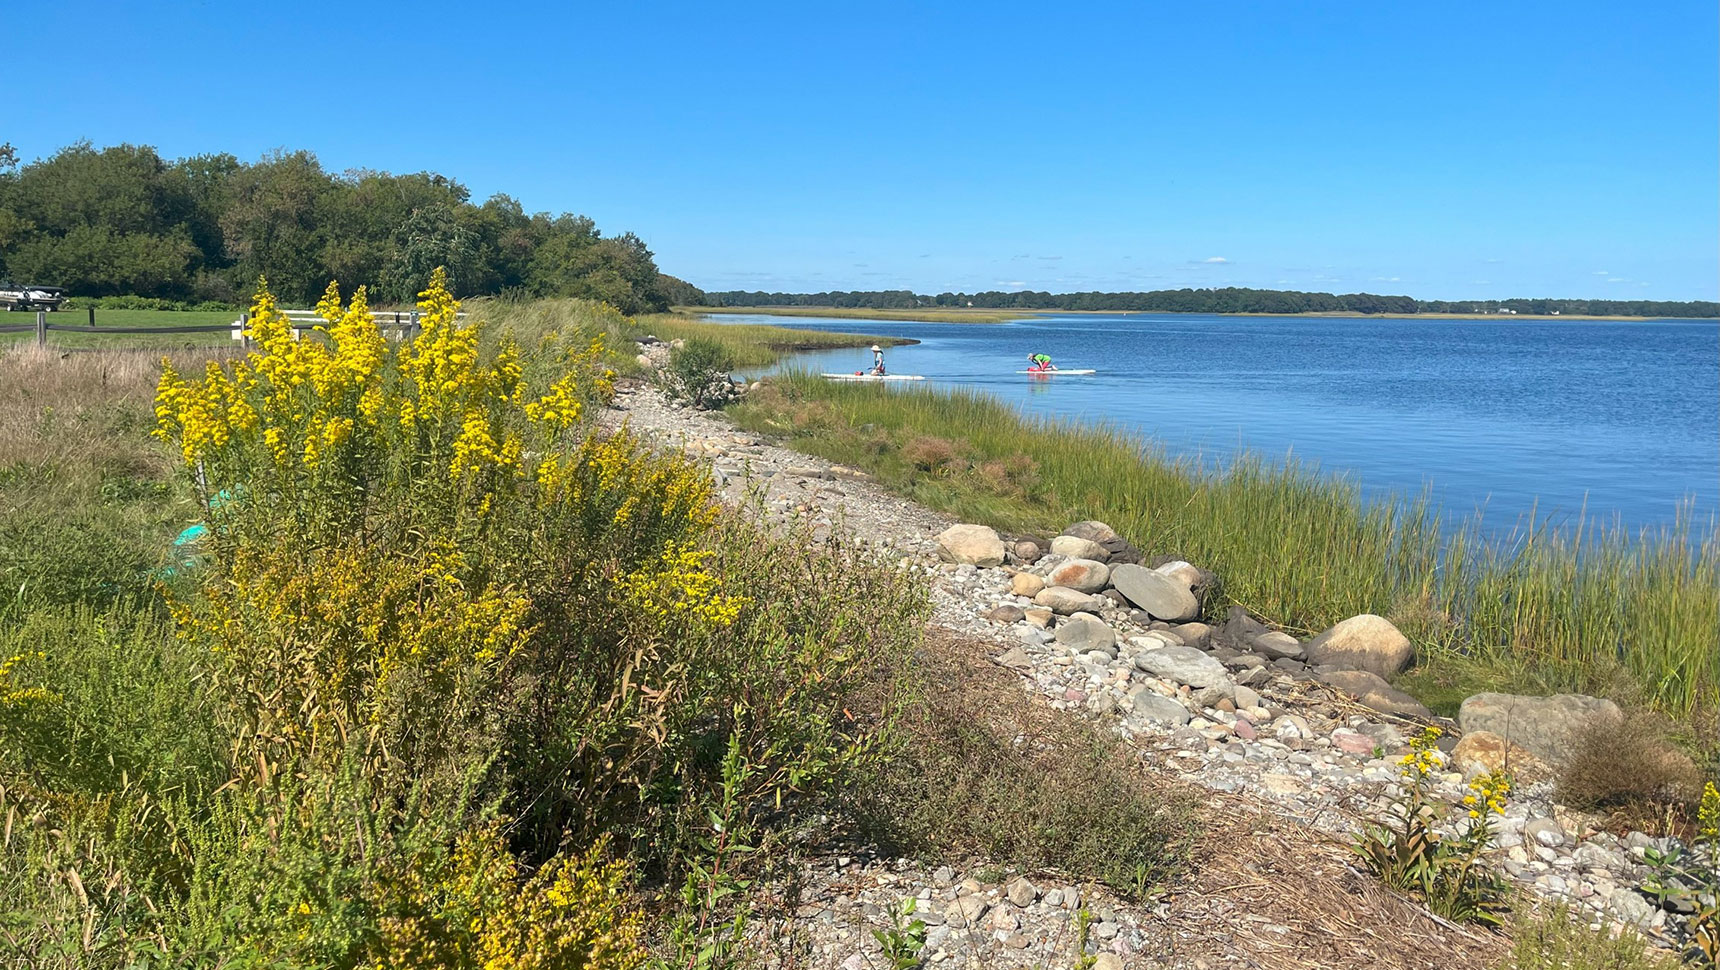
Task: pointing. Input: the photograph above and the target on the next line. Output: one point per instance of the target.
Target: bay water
(1498, 417)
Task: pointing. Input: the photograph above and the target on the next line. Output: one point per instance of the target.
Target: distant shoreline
(978, 315)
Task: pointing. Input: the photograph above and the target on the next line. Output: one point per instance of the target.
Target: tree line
(122, 220)
(1228, 299)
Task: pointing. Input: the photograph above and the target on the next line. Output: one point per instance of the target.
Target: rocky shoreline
(1310, 732)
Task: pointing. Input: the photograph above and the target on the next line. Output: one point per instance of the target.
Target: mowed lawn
(124, 318)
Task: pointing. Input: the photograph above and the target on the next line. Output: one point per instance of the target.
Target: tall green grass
(1575, 608)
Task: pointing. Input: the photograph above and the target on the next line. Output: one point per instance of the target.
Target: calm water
(1493, 414)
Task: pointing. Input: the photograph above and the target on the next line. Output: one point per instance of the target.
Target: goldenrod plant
(458, 680)
(1687, 881)
(1410, 854)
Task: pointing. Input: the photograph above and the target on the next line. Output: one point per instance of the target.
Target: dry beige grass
(79, 412)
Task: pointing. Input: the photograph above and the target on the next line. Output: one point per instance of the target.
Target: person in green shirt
(1039, 362)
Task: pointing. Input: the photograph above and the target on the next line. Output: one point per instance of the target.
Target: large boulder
(1076, 547)
(1183, 665)
(976, 544)
(1092, 530)
(1544, 726)
(1084, 632)
(1483, 752)
(1086, 575)
(1062, 599)
(1159, 595)
(1276, 644)
(1365, 642)
(1373, 692)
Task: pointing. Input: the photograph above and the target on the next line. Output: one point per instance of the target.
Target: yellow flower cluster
(1708, 816)
(309, 402)
(1423, 757)
(678, 586)
(1487, 793)
(11, 695)
(304, 394)
(573, 912)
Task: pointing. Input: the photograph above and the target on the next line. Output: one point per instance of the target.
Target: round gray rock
(1076, 547)
(1086, 575)
(1159, 709)
(1084, 631)
(1161, 596)
(1276, 644)
(1183, 665)
(1093, 530)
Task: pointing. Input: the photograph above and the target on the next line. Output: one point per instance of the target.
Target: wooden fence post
(92, 316)
(41, 328)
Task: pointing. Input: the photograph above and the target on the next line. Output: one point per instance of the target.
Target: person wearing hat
(877, 361)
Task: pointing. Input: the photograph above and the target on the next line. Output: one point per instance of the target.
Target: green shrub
(698, 373)
(1556, 938)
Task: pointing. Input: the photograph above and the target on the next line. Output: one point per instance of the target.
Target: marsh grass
(1571, 608)
(927, 315)
(746, 345)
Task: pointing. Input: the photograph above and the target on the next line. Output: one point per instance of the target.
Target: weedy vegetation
(1409, 852)
(454, 679)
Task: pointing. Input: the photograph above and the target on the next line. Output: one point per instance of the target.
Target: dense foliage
(122, 220)
(1228, 299)
(459, 679)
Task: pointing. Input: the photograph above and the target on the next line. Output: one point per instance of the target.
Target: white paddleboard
(873, 377)
(1048, 373)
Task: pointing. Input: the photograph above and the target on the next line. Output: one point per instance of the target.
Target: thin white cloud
(1215, 259)
(1388, 279)
(1010, 283)
(1603, 272)
(1618, 279)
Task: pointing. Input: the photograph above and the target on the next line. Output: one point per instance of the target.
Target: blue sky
(1444, 150)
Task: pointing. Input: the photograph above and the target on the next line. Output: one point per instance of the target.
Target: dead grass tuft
(989, 774)
(930, 454)
(1629, 767)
